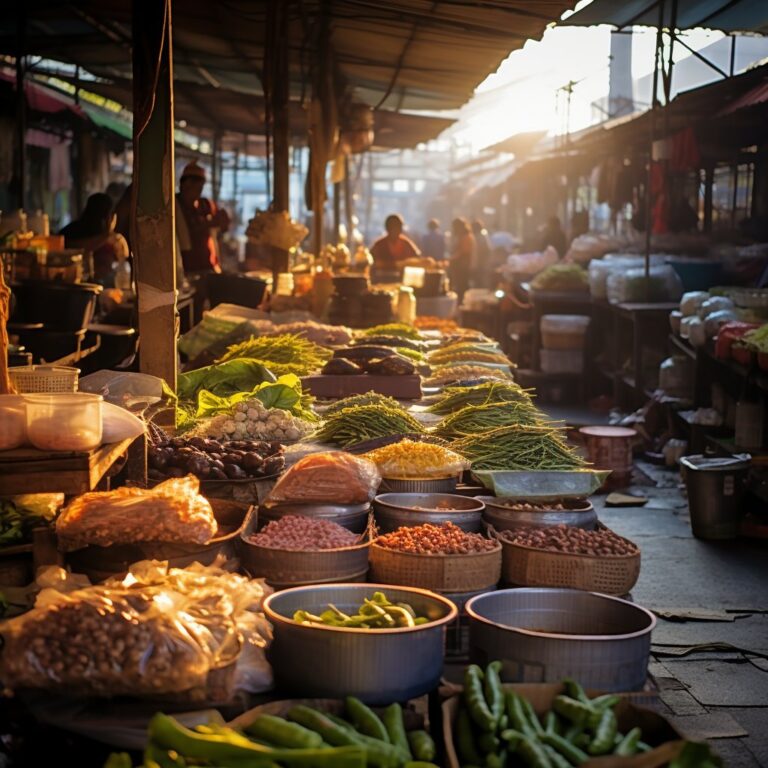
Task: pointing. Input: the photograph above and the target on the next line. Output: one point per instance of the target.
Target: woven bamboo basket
(608, 574)
(441, 573)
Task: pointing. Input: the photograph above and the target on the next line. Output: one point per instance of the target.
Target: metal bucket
(505, 514)
(394, 510)
(611, 448)
(378, 666)
(715, 488)
(544, 635)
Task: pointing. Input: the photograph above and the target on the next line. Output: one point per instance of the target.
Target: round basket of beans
(442, 557)
(298, 549)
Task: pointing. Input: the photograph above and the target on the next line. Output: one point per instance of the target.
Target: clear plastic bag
(329, 477)
(156, 631)
(172, 511)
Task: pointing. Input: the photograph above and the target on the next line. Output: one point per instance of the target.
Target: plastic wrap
(715, 320)
(715, 304)
(118, 424)
(172, 511)
(157, 631)
(662, 284)
(333, 476)
(691, 301)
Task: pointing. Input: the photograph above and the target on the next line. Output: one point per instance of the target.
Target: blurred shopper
(553, 235)
(433, 243)
(481, 268)
(462, 256)
(394, 247)
(94, 232)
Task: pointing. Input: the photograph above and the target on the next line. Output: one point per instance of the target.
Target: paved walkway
(712, 603)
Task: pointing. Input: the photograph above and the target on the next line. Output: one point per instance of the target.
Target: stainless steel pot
(503, 515)
(353, 517)
(378, 666)
(544, 635)
(393, 510)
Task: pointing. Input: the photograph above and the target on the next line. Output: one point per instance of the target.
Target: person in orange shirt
(393, 248)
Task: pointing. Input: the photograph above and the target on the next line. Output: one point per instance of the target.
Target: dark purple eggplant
(340, 366)
(389, 341)
(367, 352)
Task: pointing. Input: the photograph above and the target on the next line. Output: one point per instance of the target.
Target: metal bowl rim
(452, 614)
(488, 501)
(381, 500)
(470, 610)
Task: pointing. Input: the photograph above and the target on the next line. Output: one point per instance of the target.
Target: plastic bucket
(610, 448)
(715, 488)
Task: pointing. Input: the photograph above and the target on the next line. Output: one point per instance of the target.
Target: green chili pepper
(119, 760)
(575, 711)
(504, 721)
(531, 716)
(565, 748)
(281, 733)
(474, 697)
(466, 740)
(492, 689)
(365, 719)
(572, 732)
(419, 764)
(229, 745)
(575, 691)
(496, 760)
(331, 732)
(557, 760)
(643, 747)
(516, 714)
(606, 701)
(550, 722)
(422, 745)
(377, 753)
(400, 616)
(628, 745)
(533, 754)
(163, 758)
(583, 740)
(488, 743)
(512, 737)
(604, 734)
(393, 722)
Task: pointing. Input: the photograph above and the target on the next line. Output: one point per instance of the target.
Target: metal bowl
(378, 666)
(393, 510)
(503, 515)
(544, 635)
(419, 485)
(353, 517)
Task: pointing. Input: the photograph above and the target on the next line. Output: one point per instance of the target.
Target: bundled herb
(369, 398)
(456, 398)
(480, 418)
(519, 447)
(366, 422)
(394, 329)
(302, 355)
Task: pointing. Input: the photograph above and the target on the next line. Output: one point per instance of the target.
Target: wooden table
(27, 470)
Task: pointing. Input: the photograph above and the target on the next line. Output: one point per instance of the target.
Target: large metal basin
(505, 514)
(393, 510)
(378, 666)
(544, 635)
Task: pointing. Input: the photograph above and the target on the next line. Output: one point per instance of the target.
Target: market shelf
(27, 470)
(682, 346)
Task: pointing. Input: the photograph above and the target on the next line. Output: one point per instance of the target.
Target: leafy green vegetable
(239, 375)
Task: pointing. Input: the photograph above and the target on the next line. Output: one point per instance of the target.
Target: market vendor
(390, 250)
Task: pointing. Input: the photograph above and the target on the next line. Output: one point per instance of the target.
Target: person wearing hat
(394, 247)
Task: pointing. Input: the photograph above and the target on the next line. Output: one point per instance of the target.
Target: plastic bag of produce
(172, 511)
(330, 477)
(662, 284)
(156, 631)
(715, 304)
(118, 424)
(715, 320)
(691, 301)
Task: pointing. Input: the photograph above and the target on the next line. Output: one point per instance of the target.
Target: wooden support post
(21, 115)
(278, 90)
(709, 179)
(336, 212)
(349, 209)
(153, 200)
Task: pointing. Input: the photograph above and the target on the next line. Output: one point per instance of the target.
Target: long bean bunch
(480, 418)
(286, 348)
(519, 447)
(456, 398)
(369, 398)
(366, 422)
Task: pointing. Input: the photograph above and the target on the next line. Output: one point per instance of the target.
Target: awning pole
(153, 201)
(21, 116)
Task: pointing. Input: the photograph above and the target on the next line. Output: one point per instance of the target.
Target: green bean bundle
(519, 447)
(366, 422)
(287, 349)
(456, 398)
(369, 398)
(480, 418)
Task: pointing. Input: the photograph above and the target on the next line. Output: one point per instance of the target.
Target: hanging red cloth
(685, 154)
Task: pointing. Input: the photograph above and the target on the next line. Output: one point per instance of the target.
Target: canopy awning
(519, 144)
(723, 15)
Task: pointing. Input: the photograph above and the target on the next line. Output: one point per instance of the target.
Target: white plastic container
(564, 331)
(64, 422)
(13, 422)
(562, 360)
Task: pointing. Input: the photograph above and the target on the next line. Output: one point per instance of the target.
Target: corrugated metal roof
(753, 97)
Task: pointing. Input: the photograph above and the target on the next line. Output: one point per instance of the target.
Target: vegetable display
(561, 277)
(369, 398)
(456, 398)
(303, 533)
(519, 447)
(223, 379)
(465, 350)
(480, 418)
(376, 612)
(394, 329)
(431, 323)
(417, 459)
(444, 539)
(570, 540)
(20, 516)
(302, 355)
(211, 459)
(757, 338)
(450, 374)
(492, 724)
(366, 422)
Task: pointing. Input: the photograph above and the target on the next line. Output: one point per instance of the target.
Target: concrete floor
(712, 603)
